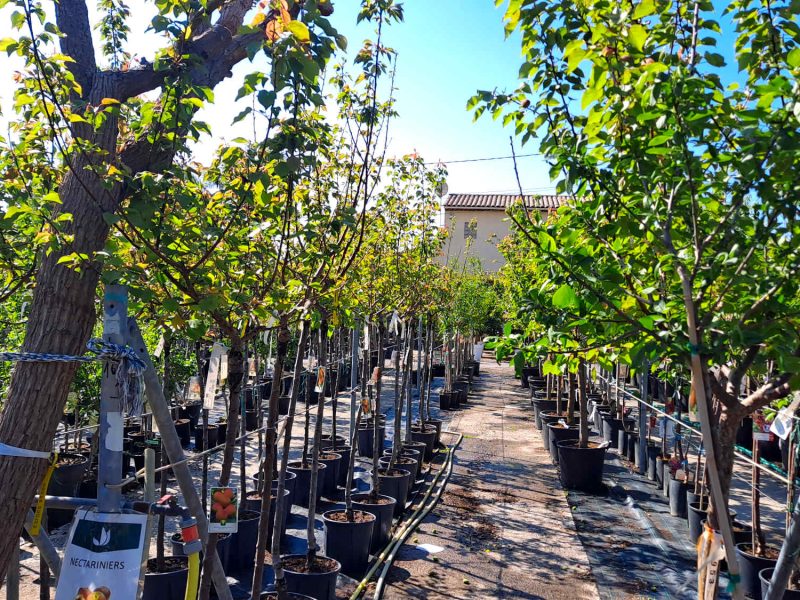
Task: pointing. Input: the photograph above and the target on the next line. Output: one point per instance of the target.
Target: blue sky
(447, 50)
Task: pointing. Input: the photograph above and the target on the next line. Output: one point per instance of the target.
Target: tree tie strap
(129, 372)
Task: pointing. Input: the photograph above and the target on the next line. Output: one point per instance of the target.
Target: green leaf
(518, 362)
(507, 328)
(565, 297)
(637, 35)
(714, 59)
(644, 9)
(793, 58)
(300, 31)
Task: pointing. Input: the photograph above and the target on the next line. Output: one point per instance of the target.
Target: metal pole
(353, 379)
(109, 460)
(150, 492)
(643, 419)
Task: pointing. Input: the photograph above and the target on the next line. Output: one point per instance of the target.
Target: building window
(470, 230)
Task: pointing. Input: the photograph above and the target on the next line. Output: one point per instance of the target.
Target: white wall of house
(491, 226)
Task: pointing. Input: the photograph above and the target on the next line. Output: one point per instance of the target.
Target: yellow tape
(37, 516)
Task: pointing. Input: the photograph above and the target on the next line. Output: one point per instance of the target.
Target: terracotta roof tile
(501, 201)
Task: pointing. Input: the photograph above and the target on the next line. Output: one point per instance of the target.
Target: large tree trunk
(61, 318)
(724, 433)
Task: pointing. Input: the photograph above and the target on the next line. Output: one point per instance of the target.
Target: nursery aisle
(504, 525)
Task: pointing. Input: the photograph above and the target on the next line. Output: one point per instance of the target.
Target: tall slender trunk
(584, 405)
(312, 492)
(280, 506)
(267, 466)
(235, 376)
(376, 442)
(398, 402)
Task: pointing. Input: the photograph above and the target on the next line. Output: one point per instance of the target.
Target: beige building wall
(491, 226)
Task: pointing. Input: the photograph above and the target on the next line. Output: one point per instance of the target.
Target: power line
(468, 160)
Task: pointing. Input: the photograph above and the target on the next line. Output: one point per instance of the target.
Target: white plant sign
(103, 557)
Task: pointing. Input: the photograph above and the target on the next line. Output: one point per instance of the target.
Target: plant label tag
(210, 393)
(159, 347)
(320, 387)
(103, 557)
(782, 425)
(761, 436)
(223, 513)
(223, 367)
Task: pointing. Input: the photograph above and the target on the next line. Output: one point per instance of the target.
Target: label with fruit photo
(223, 514)
(103, 557)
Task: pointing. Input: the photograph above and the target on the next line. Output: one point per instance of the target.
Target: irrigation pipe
(387, 557)
(739, 454)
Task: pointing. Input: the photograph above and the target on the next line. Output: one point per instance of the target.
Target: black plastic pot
(692, 497)
(667, 478)
(653, 452)
(770, 450)
(329, 478)
(183, 427)
(213, 435)
(65, 481)
(303, 482)
(406, 452)
(320, 586)
(765, 575)
(384, 513)
(437, 370)
(291, 596)
(191, 411)
(749, 568)
(349, 542)
(405, 462)
(581, 468)
(253, 503)
(395, 486)
(696, 517)
(365, 438)
(436, 424)
(611, 427)
(744, 434)
(427, 436)
(662, 469)
(251, 401)
(540, 406)
(528, 372)
(742, 532)
(243, 542)
(445, 400)
(419, 447)
(549, 417)
(631, 445)
(222, 430)
(599, 416)
(283, 404)
(251, 420)
(166, 586)
(344, 464)
(327, 438)
(677, 498)
(557, 433)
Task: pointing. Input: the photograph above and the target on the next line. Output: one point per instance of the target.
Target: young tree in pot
(117, 139)
(713, 223)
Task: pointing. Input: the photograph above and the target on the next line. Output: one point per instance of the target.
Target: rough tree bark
(62, 312)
